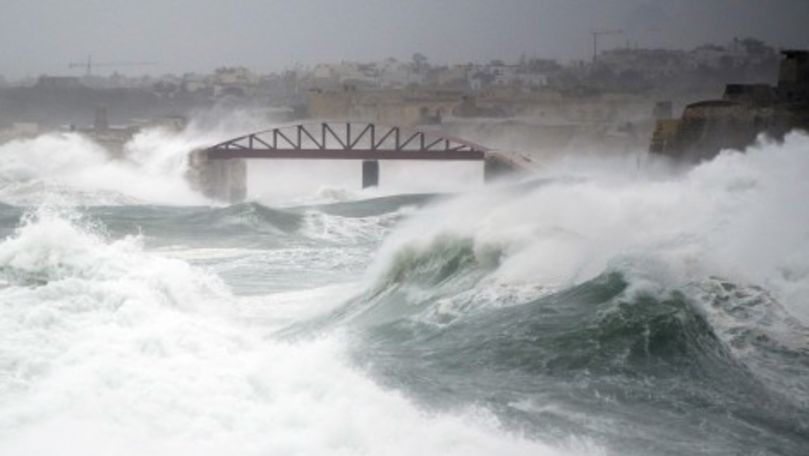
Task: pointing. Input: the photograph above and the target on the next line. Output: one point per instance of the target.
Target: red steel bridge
(347, 141)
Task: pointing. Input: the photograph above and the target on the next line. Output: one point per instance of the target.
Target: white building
(393, 73)
(235, 76)
(482, 76)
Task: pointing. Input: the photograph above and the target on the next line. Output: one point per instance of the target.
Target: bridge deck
(352, 154)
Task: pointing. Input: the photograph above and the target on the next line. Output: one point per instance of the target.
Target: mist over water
(71, 165)
(737, 217)
(603, 306)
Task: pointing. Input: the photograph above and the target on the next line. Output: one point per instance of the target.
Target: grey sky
(42, 36)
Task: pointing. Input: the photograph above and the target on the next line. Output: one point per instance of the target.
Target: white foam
(741, 215)
(108, 349)
(352, 230)
(71, 169)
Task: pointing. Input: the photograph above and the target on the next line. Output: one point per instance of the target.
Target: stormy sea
(604, 306)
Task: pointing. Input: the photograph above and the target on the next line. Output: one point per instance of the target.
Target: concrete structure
(370, 173)
(744, 112)
(221, 180)
(793, 77)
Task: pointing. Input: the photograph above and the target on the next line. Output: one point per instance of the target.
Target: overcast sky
(42, 36)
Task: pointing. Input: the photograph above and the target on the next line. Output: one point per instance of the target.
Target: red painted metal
(325, 141)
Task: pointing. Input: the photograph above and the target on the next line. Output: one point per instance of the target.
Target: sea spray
(107, 348)
(151, 170)
(738, 216)
(628, 311)
(645, 326)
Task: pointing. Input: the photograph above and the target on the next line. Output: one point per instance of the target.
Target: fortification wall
(745, 112)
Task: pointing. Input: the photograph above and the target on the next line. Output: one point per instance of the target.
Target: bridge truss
(347, 140)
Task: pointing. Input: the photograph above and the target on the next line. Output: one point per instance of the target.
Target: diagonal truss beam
(347, 140)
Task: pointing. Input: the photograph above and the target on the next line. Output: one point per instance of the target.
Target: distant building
(385, 106)
(329, 75)
(738, 53)
(234, 76)
(501, 75)
(58, 82)
(650, 63)
(454, 76)
(393, 74)
(793, 76)
(195, 83)
(709, 56)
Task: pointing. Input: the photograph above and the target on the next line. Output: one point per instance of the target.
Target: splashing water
(589, 310)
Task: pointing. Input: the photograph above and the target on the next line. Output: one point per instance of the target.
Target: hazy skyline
(43, 36)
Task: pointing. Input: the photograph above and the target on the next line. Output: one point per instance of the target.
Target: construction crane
(89, 64)
(598, 34)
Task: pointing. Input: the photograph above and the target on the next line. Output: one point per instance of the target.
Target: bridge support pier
(497, 166)
(370, 173)
(221, 180)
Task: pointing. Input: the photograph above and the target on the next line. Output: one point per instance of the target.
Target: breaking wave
(593, 310)
(630, 308)
(69, 169)
(109, 348)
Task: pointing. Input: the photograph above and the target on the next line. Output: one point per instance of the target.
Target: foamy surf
(591, 310)
(109, 348)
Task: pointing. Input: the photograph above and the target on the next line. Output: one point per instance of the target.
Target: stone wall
(745, 112)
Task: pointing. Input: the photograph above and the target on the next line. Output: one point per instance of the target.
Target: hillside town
(616, 94)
